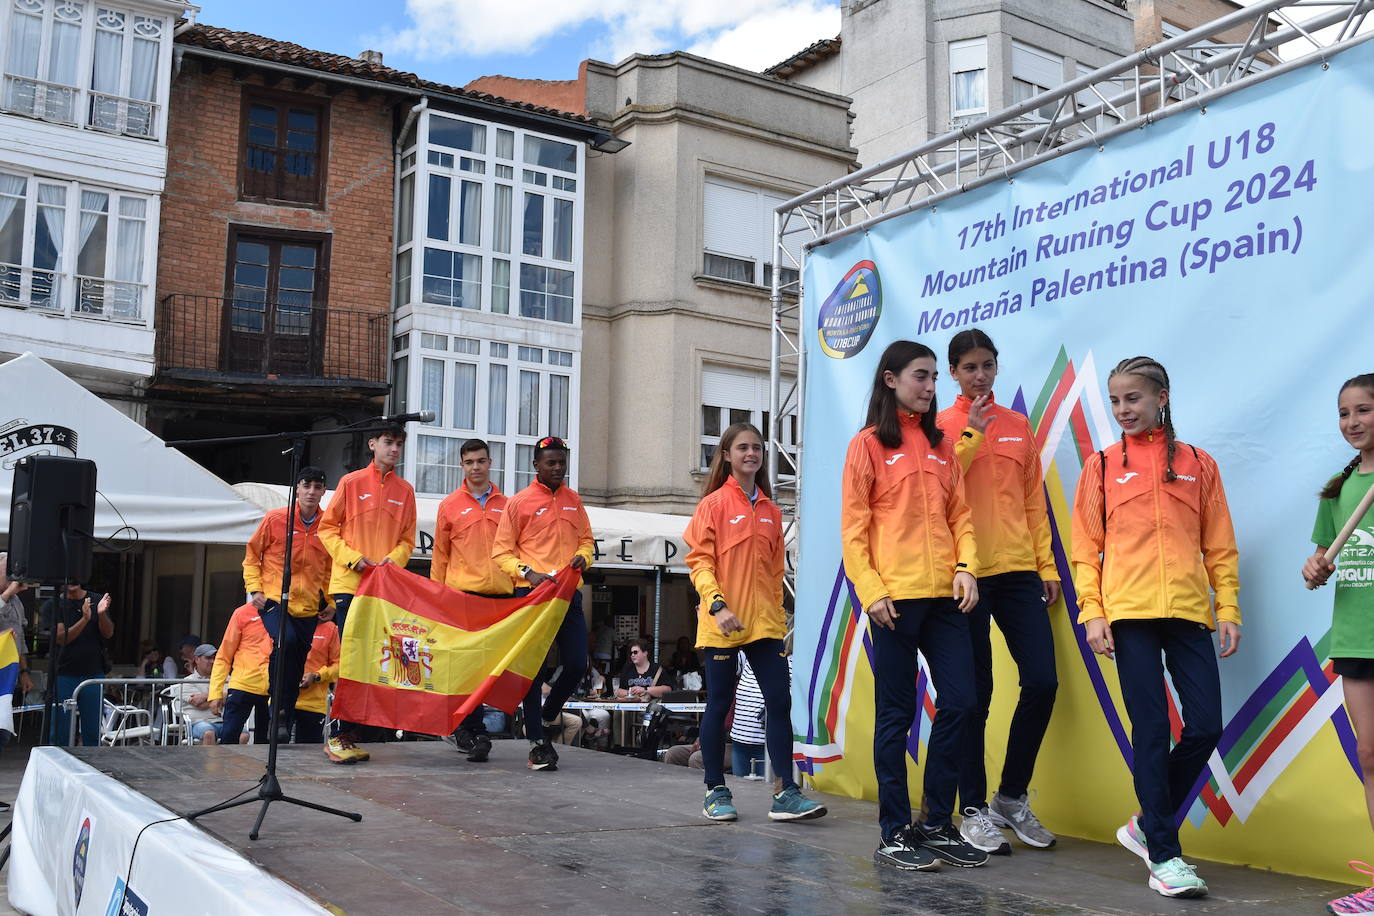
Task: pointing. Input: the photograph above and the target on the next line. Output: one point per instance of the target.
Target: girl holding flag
(1345, 501)
(1151, 537)
(736, 559)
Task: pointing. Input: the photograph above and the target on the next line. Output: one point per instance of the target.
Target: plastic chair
(173, 728)
(122, 724)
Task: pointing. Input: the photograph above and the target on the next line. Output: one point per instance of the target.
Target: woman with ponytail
(909, 551)
(1152, 537)
(1352, 619)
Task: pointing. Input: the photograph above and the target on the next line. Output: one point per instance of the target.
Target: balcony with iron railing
(280, 344)
(52, 292)
(78, 107)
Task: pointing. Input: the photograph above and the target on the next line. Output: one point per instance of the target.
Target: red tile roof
(259, 47)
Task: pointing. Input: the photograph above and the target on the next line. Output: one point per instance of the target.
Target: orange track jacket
(542, 529)
(371, 515)
(310, 562)
(737, 553)
(242, 655)
(1004, 489)
(324, 658)
(1165, 544)
(904, 524)
(463, 536)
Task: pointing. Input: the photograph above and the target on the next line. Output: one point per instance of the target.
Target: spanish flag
(9, 679)
(418, 655)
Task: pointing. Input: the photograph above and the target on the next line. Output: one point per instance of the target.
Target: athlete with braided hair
(1152, 537)
(1352, 619)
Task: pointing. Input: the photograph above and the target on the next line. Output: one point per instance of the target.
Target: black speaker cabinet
(52, 518)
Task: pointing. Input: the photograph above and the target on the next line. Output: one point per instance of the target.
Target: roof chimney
(371, 57)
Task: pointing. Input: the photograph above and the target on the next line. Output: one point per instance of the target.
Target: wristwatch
(718, 605)
(525, 572)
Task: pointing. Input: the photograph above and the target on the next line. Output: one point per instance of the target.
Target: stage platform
(609, 834)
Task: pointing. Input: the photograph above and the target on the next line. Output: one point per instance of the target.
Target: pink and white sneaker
(1360, 901)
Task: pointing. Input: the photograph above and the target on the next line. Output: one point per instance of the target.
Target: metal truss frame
(1179, 74)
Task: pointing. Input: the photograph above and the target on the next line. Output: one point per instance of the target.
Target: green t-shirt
(1352, 620)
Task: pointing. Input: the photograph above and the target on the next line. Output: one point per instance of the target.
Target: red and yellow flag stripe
(418, 655)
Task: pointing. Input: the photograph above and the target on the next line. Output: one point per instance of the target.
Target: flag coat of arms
(419, 656)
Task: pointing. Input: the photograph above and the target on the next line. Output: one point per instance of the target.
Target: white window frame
(968, 56)
(1039, 69)
(747, 391)
(510, 439)
(79, 105)
(71, 298)
(413, 163)
(737, 225)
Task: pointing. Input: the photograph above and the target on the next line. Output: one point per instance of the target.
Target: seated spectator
(321, 671)
(186, 649)
(594, 681)
(640, 679)
(192, 699)
(685, 658)
(567, 728)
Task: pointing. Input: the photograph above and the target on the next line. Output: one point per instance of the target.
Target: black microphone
(422, 416)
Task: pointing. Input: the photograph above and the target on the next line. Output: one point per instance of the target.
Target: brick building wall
(201, 203)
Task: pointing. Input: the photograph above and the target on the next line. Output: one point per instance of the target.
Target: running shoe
(1016, 815)
(340, 751)
(791, 805)
(1358, 902)
(476, 745)
(1133, 838)
(904, 850)
(947, 845)
(1176, 878)
(720, 805)
(978, 830)
(543, 756)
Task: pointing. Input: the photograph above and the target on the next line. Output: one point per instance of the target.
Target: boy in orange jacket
(370, 521)
(242, 662)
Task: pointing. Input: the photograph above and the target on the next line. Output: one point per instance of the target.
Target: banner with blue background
(1229, 244)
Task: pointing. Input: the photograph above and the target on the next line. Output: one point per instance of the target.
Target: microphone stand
(269, 787)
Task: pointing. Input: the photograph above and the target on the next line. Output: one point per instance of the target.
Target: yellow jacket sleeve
(1219, 554)
(701, 559)
(1089, 536)
(331, 533)
(224, 659)
(856, 514)
(507, 533)
(252, 559)
(960, 518)
(966, 446)
(1038, 517)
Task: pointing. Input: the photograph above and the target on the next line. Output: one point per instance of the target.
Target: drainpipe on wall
(191, 13)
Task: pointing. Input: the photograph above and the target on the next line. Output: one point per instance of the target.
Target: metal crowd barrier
(125, 711)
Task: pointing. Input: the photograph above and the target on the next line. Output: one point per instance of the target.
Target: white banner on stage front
(74, 834)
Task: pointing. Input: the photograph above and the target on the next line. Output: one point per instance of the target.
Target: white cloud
(752, 33)
(772, 35)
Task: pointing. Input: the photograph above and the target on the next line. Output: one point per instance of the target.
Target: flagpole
(1351, 524)
(480, 693)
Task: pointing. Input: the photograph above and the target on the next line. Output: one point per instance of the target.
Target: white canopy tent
(162, 494)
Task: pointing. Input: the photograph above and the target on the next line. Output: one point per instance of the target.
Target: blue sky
(455, 41)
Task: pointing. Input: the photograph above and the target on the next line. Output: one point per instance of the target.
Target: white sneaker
(978, 830)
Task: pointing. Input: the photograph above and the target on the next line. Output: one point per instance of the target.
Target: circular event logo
(850, 313)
